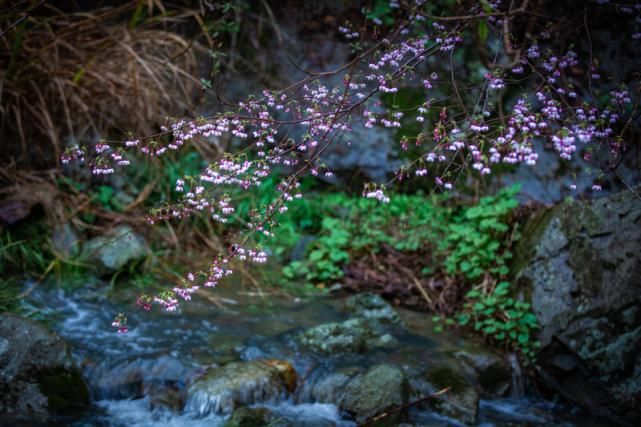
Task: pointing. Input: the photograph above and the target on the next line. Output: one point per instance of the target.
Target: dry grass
(83, 76)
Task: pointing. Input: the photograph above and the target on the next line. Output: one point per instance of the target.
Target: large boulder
(580, 263)
(37, 375)
(112, 252)
(221, 390)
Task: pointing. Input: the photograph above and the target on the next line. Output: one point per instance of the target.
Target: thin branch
(512, 12)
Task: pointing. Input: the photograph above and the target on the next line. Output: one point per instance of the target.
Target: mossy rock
(38, 378)
(380, 389)
(222, 390)
(351, 336)
(580, 265)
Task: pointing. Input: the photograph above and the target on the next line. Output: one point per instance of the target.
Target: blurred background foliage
(82, 71)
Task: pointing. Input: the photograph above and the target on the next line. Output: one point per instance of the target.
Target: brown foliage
(83, 75)
(397, 276)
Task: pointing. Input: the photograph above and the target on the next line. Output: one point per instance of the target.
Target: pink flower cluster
(290, 130)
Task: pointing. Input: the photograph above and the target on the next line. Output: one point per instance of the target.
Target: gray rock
(371, 151)
(372, 306)
(492, 372)
(580, 263)
(112, 252)
(37, 376)
(352, 336)
(327, 386)
(138, 377)
(65, 241)
(461, 401)
(380, 389)
(221, 390)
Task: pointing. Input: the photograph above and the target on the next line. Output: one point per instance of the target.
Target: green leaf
(483, 31)
(473, 294)
(463, 319)
(523, 338)
(316, 255)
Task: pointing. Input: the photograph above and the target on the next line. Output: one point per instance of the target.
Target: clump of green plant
(470, 240)
(471, 243)
(495, 314)
(475, 238)
(355, 225)
(323, 263)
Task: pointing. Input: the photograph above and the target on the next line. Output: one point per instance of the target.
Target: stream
(143, 378)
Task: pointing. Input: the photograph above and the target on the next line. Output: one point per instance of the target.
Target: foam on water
(311, 414)
(136, 413)
(166, 351)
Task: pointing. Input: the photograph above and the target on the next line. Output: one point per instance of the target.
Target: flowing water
(134, 378)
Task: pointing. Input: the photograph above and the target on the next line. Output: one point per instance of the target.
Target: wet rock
(580, 262)
(223, 389)
(327, 386)
(353, 336)
(376, 391)
(492, 372)
(461, 401)
(136, 378)
(255, 417)
(112, 252)
(372, 306)
(166, 398)
(65, 241)
(37, 376)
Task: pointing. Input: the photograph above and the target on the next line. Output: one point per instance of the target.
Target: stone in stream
(378, 390)
(112, 252)
(580, 265)
(492, 372)
(161, 378)
(352, 336)
(372, 306)
(460, 402)
(37, 375)
(236, 384)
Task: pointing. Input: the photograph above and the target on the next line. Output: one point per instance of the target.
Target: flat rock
(352, 336)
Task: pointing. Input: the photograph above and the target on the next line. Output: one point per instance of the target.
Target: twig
(521, 9)
(616, 172)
